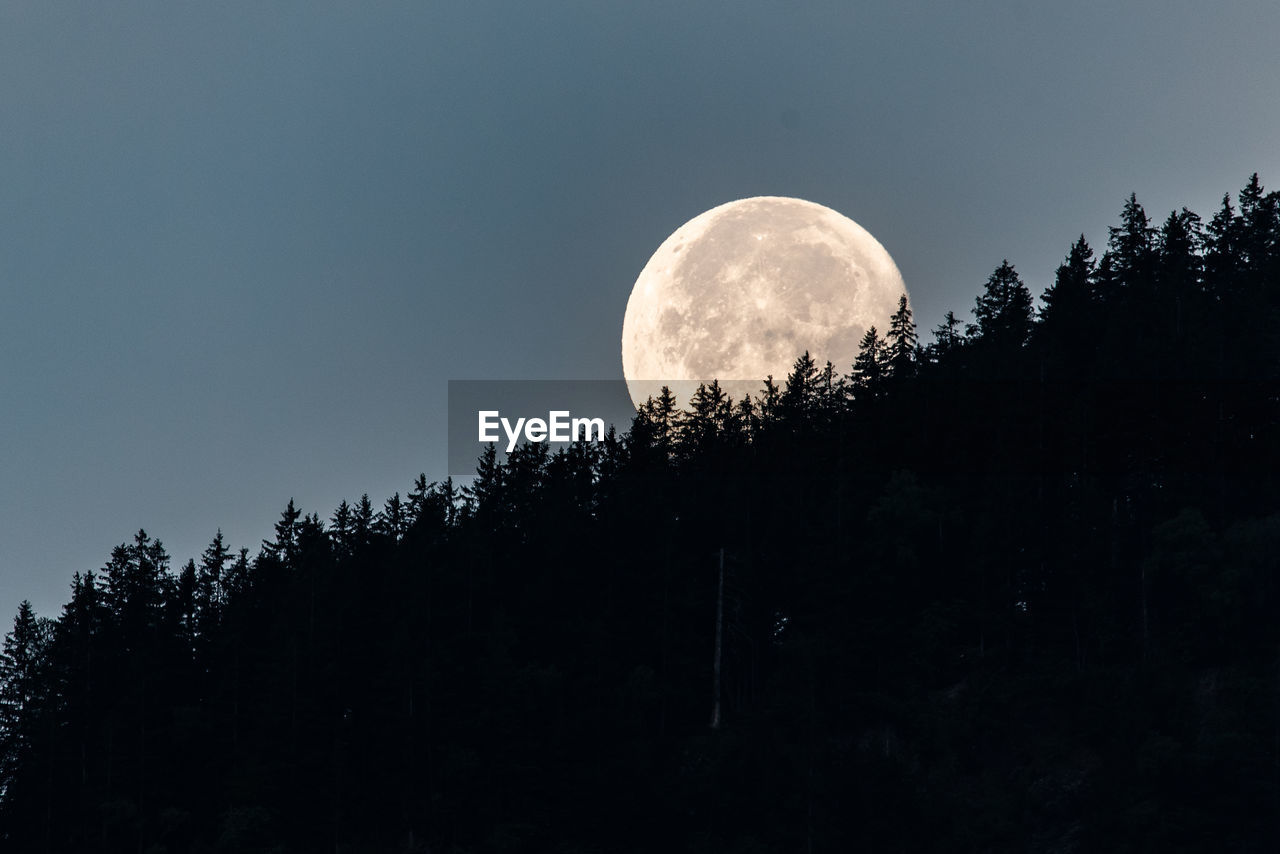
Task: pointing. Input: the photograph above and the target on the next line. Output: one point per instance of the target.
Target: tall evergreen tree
(211, 590)
(284, 548)
(869, 366)
(21, 685)
(1222, 258)
(1259, 225)
(1067, 301)
(664, 416)
(902, 341)
(707, 420)
(769, 400)
(1132, 246)
(393, 521)
(185, 606)
(1004, 308)
(1179, 268)
(948, 336)
(138, 586)
(800, 391)
(362, 521)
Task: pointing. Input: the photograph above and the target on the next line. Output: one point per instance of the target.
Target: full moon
(740, 291)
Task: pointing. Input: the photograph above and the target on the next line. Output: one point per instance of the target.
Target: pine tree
(313, 540)
(664, 416)
(284, 548)
(1179, 267)
(20, 690)
(707, 419)
(869, 366)
(770, 400)
(418, 496)
(1258, 223)
(1004, 309)
(342, 529)
(446, 497)
(832, 392)
(902, 341)
(1067, 301)
(947, 337)
(239, 578)
(138, 586)
(1132, 246)
(362, 522)
(211, 585)
(800, 392)
(746, 416)
(1222, 256)
(393, 521)
(485, 494)
(184, 607)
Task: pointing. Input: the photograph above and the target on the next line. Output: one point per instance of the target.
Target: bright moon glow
(738, 292)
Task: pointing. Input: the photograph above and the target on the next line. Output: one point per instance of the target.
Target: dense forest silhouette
(1013, 589)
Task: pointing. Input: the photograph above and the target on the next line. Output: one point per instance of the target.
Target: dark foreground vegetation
(1015, 589)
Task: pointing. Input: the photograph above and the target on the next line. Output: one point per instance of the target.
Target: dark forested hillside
(1009, 586)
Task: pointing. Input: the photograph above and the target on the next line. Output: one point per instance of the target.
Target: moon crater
(738, 292)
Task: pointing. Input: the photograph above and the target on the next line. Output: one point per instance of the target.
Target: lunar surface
(738, 292)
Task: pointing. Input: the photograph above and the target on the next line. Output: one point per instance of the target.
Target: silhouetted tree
(948, 337)
(901, 342)
(1132, 246)
(1067, 302)
(884, 574)
(21, 686)
(869, 366)
(800, 391)
(1004, 309)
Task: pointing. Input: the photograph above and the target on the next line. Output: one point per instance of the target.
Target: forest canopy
(1010, 588)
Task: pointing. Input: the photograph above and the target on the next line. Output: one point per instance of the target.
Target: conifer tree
(800, 392)
(1132, 246)
(393, 521)
(831, 392)
(869, 366)
(707, 418)
(746, 416)
(342, 529)
(486, 491)
(20, 688)
(417, 500)
(239, 578)
(445, 496)
(138, 586)
(1178, 267)
(211, 594)
(1223, 258)
(284, 547)
(664, 416)
(770, 400)
(1259, 221)
(901, 342)
(948, 336)
(1067, 301)
(185, 609)
(362, 522)
(1004, 309)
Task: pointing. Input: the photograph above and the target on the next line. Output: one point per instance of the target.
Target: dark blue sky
(244, 246)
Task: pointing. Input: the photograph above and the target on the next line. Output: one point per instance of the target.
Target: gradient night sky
(244, 246)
